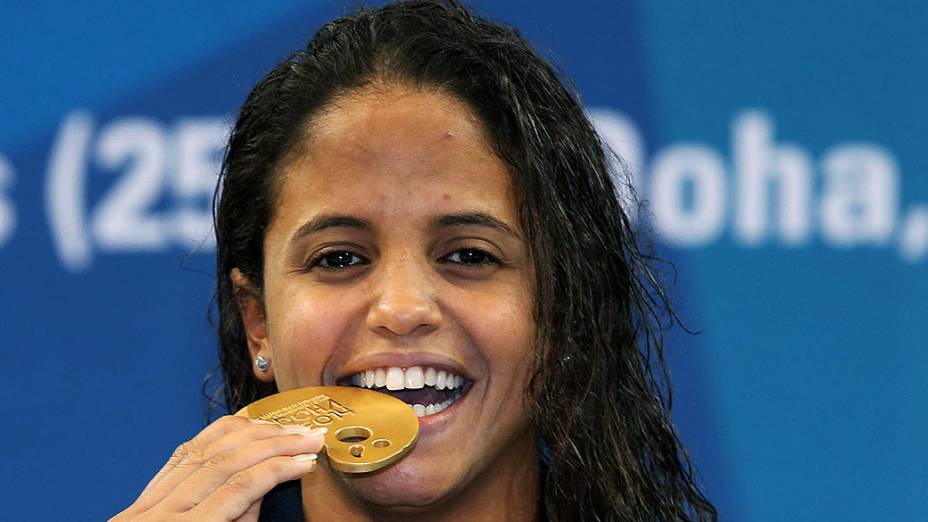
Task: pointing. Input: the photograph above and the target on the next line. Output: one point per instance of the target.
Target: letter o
(671, 170)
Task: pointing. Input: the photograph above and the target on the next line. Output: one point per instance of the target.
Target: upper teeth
(412, 378)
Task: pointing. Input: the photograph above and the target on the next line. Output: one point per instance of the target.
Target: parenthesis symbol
(7, 210)
(913, 241)
(64, 191)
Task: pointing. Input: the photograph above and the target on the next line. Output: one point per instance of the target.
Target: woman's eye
(337, 260)
(470, 257)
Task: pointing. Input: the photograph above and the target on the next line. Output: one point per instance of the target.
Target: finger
(219, 468)
(198, 443)
(191, 454)
(253, 513)
(237, 494)
(254, 433)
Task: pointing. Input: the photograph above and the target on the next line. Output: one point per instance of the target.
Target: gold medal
(368, 430)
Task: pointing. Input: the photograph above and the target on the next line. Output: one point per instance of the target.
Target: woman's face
(395, 251)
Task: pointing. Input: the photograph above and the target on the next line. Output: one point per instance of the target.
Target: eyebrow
(326, 221)
(320, 223)
(474, 218)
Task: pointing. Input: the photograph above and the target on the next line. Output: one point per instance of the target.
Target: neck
(507, 489)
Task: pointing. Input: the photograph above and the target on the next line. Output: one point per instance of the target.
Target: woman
(416, 197)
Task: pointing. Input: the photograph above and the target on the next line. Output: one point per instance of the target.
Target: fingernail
(307, 457)
(316, 432)
(260, 421)
(306, 431)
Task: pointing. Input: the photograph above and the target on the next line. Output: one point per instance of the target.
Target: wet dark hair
(599, 393)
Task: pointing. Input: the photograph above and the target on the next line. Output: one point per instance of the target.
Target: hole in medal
(380, 443)
(356, 450)
(353, 434)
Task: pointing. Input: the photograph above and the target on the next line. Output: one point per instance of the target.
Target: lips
(428, 390)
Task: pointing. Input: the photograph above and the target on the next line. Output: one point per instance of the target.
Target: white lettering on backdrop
(765, 193)
(165, 177)
(772, 194)
(7, 210)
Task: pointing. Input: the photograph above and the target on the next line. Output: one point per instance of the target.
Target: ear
(251, 308)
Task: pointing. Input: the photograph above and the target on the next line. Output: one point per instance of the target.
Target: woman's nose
(404, 301)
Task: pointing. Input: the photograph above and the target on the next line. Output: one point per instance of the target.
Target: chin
(408, 485)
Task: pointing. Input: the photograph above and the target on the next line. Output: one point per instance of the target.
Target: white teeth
(415, 379)
(431, 409)
(395, 378)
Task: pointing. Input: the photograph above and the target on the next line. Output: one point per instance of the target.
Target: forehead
(371, 119)
(393, 150)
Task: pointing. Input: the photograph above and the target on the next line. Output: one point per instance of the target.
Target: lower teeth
(431, 409)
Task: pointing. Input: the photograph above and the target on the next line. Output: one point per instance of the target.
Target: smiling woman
(394, 249)
(416, 204)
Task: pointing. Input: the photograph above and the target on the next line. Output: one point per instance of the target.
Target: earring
(263, 363)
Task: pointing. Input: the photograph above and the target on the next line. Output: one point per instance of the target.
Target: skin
(400, 288)
(224, 472)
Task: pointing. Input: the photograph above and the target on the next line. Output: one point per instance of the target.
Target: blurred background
(780, 146)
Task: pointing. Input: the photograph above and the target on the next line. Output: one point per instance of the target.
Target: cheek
(504, 329)
(504, 335)
(304, 329)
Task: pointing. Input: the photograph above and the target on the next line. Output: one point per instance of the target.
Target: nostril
(404, 316)
(402, 328)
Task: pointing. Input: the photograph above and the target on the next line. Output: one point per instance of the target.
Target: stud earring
(263, 363)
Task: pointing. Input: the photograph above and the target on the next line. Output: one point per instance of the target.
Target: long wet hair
(598, 398)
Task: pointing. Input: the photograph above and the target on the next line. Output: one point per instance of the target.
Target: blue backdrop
(780, 146)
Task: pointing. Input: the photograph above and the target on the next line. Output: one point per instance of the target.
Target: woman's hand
(223, 473)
